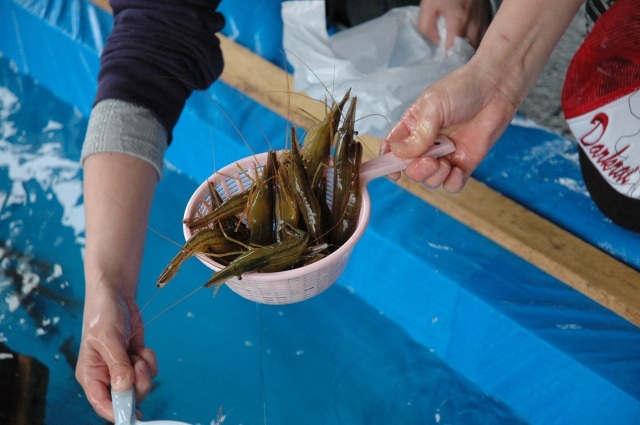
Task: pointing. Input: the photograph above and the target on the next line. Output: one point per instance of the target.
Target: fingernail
(404, 146)
(120, 382)
(143, 369)
(122, 378)
(423, 168)
(455, 182)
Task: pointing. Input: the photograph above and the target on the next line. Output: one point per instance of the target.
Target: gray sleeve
(123, 127)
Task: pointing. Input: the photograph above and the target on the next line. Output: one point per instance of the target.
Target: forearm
(118, 192)
(519, 41)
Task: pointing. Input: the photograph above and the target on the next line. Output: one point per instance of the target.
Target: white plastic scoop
(301, 283)
(124, 409)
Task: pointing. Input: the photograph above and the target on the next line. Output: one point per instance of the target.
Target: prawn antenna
(257, 121)
(166, 309)
(158, 233)
(326, 89)
(366, 145)
(213, 152)
(221, 109)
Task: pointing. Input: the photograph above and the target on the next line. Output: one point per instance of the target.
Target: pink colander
(305, 282)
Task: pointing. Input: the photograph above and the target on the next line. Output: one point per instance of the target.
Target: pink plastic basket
(302, 283)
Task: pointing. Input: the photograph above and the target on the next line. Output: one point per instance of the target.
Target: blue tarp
(548, 352)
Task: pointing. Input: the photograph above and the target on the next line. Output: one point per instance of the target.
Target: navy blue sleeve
(158, 52)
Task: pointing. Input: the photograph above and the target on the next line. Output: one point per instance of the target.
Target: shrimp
(260, 204)
(316, 149)
(348, 220)
(343, 173)
(271, 258)
(229, 223)
(231, 207)
(286, 211)
(301, 187)
(210, 241)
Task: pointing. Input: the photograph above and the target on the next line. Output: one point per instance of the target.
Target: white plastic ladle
(124, 410)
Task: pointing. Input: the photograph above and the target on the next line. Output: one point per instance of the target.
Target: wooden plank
(266, 83)
(103, 4)
(531, 237)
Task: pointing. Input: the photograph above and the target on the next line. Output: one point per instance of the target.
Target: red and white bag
(601, 103)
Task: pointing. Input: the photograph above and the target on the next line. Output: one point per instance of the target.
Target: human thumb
(121, 372)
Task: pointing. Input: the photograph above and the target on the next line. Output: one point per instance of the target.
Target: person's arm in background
(474, 104)
(463, 18)
(118, 193)
(155, 55)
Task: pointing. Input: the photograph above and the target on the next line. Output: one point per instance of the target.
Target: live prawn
(302, 205)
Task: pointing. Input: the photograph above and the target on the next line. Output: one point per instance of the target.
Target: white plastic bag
(385, 61)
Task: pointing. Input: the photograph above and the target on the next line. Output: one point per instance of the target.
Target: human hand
(112, 352)
(463, 18)
(471, 107)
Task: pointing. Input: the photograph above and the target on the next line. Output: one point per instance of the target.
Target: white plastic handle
(124, 409)
(389, 163)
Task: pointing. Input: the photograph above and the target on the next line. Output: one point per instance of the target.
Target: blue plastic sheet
(225, 352)
(539, 169)
(549, 353)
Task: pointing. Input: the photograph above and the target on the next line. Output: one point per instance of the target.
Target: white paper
(385, 61)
